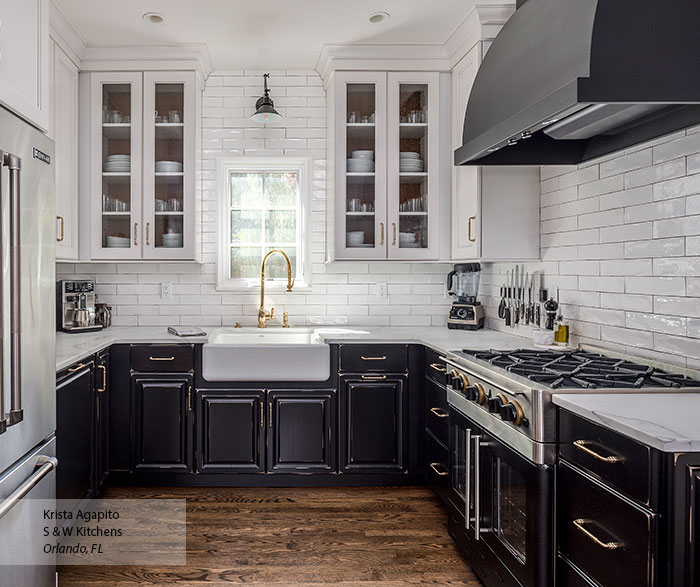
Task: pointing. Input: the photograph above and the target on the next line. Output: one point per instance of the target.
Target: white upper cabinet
(141, 195)
(495, 210)
(24, 59)
(63, 129)
(384, 151)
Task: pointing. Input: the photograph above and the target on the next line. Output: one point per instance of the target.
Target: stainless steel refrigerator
(27, 341)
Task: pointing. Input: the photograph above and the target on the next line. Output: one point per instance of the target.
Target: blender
(466, 312)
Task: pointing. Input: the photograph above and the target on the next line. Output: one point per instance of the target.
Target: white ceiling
(274, 34)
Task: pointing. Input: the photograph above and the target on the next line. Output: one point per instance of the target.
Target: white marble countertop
(74, 347)
(665, 421)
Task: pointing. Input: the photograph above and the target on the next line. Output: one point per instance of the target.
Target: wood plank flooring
(301, 537)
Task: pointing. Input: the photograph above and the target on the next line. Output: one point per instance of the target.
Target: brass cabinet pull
(60, 239)
(161, 358)
(439, 412)
(262, 414)
(78, 367)
(381, 228)
(148, 230)
(393, 242)
(382, 358)
(582, 445)
(438, 367)
(136, 225)
(270, 414)
(434, 467)
(469, 226)
(189, 398)
(104, 378)
(374, 377)
(580, 526)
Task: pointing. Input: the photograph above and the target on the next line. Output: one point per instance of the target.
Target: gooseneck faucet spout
(263, 315)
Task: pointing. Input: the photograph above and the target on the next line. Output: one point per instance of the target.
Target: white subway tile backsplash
(669, 286)
(681, 147)
(636, 303)
(627, 162)
(656, 323)
(655, 173)
(668, 247)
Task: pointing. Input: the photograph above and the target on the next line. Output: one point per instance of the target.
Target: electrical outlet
(166, 291)
(382, 292)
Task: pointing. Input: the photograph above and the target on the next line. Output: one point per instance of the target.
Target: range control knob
(456, 381)
(476, 393)
(496, 403)
(513, 412)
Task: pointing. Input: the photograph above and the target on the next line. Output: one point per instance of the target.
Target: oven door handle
(477, 487)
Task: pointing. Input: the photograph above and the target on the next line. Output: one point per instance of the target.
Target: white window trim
(224, 167)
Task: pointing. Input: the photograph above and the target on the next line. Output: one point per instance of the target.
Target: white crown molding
(64, 35)
(481, 24)
(193, 56)
(428, 57)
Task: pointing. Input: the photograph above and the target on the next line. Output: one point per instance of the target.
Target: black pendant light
(265, 108)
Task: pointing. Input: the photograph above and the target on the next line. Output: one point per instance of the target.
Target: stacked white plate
(172, 240)
(117, 164)
(118, 242)
(410, 162)
(407, 240)
(168, 167)
(358, 165)
(355, 238)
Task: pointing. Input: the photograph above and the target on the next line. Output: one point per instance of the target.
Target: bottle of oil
(561, 331)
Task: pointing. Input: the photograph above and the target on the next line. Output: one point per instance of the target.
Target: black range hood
(566, 81)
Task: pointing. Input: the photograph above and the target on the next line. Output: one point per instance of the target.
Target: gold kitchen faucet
(263, 315)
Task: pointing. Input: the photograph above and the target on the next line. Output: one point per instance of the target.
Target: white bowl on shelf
(363, 154)
(172, 240)
(409, 155)
(168, 166)
(118, 242)
(407, 237)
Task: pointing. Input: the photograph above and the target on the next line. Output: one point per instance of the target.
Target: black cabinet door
(231, 431)
(101, 442)
(162, 409)
(74, 432)
(373, 423)
(300, 426)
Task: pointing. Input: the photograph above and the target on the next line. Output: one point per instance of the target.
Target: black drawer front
(435, 367)
(608, 538)
(436, 415)
(616, 459)
(436, 466)
(567, 576)
(373, 358)
(162, 358)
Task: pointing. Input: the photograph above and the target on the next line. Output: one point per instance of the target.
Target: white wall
(621, 241)
(346, 291)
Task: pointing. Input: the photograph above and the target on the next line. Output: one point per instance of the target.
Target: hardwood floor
(367, 536)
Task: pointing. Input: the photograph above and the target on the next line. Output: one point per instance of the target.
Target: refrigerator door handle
(44, 466)
(14, 164)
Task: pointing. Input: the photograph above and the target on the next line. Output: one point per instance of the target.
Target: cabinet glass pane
(116, 165)
(360, 181)
(413, 166)
(169, 170)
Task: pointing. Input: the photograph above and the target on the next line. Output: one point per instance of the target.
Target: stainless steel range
(503, 448)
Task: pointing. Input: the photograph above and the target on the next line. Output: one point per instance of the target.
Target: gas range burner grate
(580, 369)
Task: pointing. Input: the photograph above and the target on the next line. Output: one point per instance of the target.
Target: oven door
(462, 467)
(515, 499)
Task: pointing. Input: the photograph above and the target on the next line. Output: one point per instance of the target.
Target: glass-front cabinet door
(168, 167)
(115, 184)
(413, 174)
(360, 165)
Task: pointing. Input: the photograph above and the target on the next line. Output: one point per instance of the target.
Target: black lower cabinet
(300, 431)
(373, 423)
(162, 409)
(101, 438)
(74, 431)
(231, 431)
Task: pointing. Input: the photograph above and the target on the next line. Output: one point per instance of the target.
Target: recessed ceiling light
(378, 17)
(153, 18)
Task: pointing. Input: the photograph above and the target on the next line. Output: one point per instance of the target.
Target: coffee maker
(75, 311)
(466, 312)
